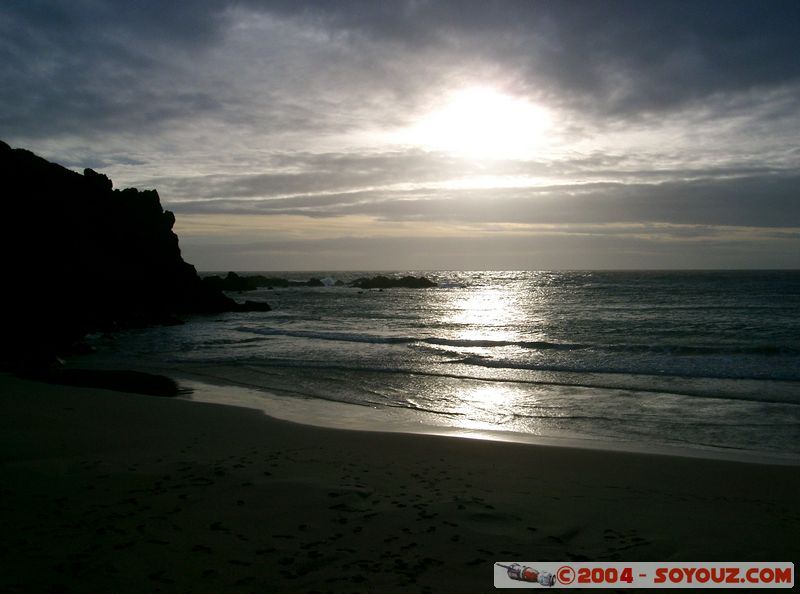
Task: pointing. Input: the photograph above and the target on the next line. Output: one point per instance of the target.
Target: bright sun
(482, 123)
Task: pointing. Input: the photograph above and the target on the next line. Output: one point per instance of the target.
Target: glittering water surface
(697, 359)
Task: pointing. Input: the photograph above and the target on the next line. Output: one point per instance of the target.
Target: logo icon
(523, 573)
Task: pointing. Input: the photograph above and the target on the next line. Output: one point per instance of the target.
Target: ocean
(699, 362)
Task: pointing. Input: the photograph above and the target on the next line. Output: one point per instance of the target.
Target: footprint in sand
(160, 577)
(623, 540)
(266, 551)
(245, 581)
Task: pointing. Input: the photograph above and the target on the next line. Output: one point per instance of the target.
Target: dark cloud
(88, 68)
(622, 56)
(226, 107)
(302, 179)
(769, 200)
(92, 27)
(105, 66)
(300, 174)
(663, 54)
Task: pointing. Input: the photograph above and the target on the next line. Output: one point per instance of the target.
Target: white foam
(339, 415)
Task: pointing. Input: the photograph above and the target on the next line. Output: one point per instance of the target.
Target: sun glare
(482, 123)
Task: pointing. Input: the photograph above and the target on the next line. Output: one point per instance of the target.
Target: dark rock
(99, 181)
(109, 379)
(253, 306)
(235, 282)
(79, 256)
(238, 283)
(384, 282)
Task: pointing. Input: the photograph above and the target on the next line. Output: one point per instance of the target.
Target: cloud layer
(665, 115)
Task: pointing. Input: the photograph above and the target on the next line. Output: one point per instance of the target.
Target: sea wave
(678, 350)
(772, 391)
(634, 348)
(632, 367)
(432, 340)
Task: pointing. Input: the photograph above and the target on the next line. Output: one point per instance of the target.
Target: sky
(422, 134)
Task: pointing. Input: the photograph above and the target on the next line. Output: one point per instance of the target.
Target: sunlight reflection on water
(706, 359)
(487, 407)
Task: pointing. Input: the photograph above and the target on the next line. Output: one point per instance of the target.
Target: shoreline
(193, 385)
(353, 417)
(123, 492)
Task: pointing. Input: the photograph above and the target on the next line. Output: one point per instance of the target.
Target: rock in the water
(384, 282)
(238, 283)
(235, 282)
(253, 306)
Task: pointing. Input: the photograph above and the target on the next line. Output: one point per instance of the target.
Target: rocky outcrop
(237, 283)
(253, 306)
(79, 256)
(110, 379)
(384, 282)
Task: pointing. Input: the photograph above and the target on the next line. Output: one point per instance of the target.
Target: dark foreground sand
(110, 492)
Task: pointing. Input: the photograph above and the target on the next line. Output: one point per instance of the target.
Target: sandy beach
(111, 492)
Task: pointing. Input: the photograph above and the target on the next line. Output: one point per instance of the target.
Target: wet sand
(112, 492)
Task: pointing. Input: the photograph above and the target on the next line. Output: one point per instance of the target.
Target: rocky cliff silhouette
(79, 256)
